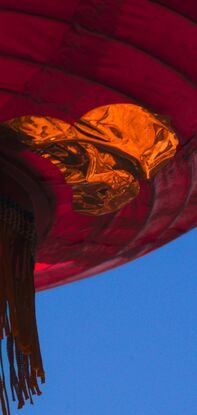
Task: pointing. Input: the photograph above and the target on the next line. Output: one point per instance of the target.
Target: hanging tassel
(17, 306)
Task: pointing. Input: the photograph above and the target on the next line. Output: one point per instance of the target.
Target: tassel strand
(17, 307)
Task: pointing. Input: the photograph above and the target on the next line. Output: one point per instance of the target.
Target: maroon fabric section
(24, 37)
(58, 10)
(187, 8)
(65, 58)
(167, 39)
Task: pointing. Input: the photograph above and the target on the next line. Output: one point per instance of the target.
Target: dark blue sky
(124, 342)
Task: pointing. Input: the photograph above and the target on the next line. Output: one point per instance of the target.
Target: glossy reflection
(103, 155)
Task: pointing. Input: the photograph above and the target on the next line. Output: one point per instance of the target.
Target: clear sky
(124, 342)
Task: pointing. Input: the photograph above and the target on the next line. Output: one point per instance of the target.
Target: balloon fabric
(62, 60)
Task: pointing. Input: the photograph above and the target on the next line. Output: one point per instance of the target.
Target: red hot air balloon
(97, 149)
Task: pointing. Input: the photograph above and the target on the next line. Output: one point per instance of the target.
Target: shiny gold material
(103, 154)
(130, 131)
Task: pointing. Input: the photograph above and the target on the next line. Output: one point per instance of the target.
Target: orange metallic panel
(104, 154)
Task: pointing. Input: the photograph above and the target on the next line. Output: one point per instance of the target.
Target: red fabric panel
(187, 8)
(172, 38)
(55, 10)
(29, 37)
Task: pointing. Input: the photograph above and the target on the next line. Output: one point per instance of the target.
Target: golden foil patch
(104, 154)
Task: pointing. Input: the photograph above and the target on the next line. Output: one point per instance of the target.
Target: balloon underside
(57, 76)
